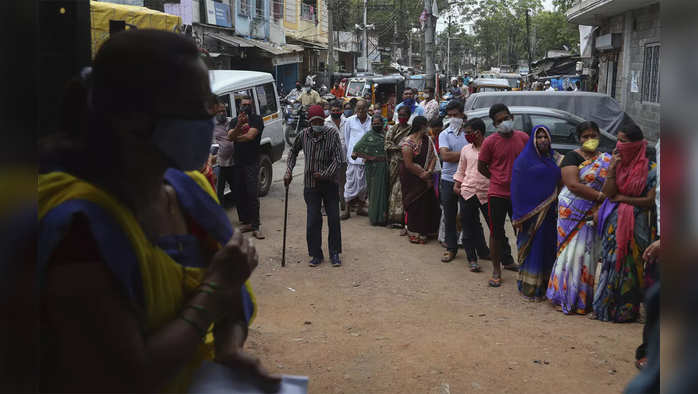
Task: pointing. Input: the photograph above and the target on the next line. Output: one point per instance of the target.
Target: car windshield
(355, 89)
(513, 82)
(416, 84)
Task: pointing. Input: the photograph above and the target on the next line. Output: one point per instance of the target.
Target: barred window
(278, 10)
(259, 9)
(650, 73)
(244, 8)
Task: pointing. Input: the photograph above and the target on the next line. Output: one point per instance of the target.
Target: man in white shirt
(548, 88)
(355, 188)
(336, 122)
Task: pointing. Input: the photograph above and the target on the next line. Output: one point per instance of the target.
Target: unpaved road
(394, 319)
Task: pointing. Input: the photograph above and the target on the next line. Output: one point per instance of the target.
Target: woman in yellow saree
(141, 276)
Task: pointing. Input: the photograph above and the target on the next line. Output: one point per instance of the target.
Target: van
(230, 86)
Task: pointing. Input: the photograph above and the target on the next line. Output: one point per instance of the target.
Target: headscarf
(631, 177)
(534, 180)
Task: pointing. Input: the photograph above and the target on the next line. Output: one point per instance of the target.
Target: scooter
(295, 120)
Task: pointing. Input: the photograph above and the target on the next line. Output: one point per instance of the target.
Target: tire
(265, 174)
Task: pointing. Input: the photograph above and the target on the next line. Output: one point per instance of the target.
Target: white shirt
(330, 123)
(354, 130)
(550, 89)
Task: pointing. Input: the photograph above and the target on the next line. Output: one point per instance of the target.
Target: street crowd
(139, 253)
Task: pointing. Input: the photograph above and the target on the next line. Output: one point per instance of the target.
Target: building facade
(626, 52)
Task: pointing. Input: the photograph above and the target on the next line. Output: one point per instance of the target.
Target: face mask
(378, 129)
(348, 113)
(505, 127)
(336, 115)
(306, 89)
(245, 109)
(456, 123)
(403, 121)
(317, 129)
(298, 87)
(590, 145)
(327, 112)
(409, 102)
(220, 118)
(471, 138)
(185, 143)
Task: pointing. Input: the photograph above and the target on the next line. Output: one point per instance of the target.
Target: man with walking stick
(323, 157)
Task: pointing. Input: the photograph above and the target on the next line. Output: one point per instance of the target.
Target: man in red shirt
(496, 162)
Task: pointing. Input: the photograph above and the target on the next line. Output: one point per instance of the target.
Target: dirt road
(394, 319)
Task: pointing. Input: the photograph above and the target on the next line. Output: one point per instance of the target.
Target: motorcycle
(295, 120)
(444, 102)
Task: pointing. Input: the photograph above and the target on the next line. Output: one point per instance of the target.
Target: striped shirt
(323, 154)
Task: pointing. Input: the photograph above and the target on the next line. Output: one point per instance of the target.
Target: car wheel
(265, 174)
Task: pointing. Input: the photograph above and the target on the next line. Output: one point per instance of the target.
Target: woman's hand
(615, 159)
(233, 264)
(652, 251)
(425, 175)
(619, 198)
(250, 367)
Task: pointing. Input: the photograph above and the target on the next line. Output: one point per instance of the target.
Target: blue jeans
(449, 204)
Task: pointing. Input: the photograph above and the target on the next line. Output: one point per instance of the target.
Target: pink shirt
(472, 182)
(499, 153)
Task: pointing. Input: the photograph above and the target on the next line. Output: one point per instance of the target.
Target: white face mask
(506, 127)
(456, 123)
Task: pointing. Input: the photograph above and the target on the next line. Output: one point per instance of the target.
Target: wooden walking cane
(283, 252)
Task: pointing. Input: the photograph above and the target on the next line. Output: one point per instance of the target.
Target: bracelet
(202, 332)
(201, 309)
(212, 285)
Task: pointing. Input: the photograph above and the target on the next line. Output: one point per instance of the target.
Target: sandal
(404, 232)
(448, 257)
(419, 240)
(475, 267)
(495, 282)
(641, 363)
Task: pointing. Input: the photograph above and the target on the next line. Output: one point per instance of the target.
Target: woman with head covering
(419, 159)
(142, 275)
(584, 171)
(534, 187)
(393, 151)
(371, 149)
(624, 221)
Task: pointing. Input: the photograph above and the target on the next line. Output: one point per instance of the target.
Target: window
(291, 9)
(244, 8)
(309, 10)
(266, 97)
(259, 9)
(225, 99)
(561, 130)
(237, 97)
(611, 69)
(650, 73)
(278, 10)
(489, 128)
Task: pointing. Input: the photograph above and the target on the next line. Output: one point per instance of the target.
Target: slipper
(417, 240)
(246, 228)
(448, 257)
(475, 267)
(495, 282)
(258, 234)
(404, 232)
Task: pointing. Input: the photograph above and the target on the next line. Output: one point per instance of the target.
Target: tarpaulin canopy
(141, 17)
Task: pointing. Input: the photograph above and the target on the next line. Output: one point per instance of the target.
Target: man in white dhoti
(355, 188)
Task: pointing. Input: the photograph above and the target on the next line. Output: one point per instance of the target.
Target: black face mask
(378, 129)
(246, 109)
(336, 115)
(298, 87)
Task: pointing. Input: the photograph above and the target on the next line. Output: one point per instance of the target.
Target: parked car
(601, 108)
(562, 125)
(230, 86)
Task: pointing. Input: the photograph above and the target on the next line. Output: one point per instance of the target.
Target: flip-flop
(495, 282)
(641, 363)
(475, 267)
(448, 257)
(257, 234)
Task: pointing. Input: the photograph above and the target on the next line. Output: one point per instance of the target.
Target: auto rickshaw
(516, 82)
(418, 83)
(382, 91)
(490, 85)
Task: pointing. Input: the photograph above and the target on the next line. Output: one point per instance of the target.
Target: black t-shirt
(572, 158)
(247, 153)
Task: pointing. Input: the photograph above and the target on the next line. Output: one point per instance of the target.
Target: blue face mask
(348, 113)
(184, 142)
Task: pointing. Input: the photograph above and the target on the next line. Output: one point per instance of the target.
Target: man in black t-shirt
(246, 132)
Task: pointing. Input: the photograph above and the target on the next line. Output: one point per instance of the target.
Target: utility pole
(528, 39)
(429, 45)
(448, 45)
(395, 35)
(365, 38)
(330, 41)
(409, 52)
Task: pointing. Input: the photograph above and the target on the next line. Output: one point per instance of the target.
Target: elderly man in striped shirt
(323, 157)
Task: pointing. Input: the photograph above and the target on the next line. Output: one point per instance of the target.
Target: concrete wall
(639, 28)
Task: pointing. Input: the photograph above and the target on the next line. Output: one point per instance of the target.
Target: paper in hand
(216, 378)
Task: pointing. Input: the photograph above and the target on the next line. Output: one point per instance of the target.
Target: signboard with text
(218, 14)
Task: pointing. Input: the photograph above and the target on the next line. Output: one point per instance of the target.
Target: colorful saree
(419, 199)
(393, 138)
(620, 289)
(571, 284)
(533, 195)
(373, 144)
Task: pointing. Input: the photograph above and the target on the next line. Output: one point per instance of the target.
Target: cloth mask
(185, 143)
(590, 145)
(378, 129)
(403, 121)
(336, 115)
(327, 112)
(506, 127)
(456, 123)
(220, 118)
(471, 138)
(348, 113)
(317, 129)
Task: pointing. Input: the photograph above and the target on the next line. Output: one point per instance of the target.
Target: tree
(553, 32)
(563, 5)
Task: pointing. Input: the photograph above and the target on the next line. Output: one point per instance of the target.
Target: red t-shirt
(499, 153)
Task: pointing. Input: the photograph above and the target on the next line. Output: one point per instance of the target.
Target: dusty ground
(394, 319)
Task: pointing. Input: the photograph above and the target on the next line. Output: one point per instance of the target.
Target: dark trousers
(327, 194)
(499, 208)
(225, 174)
(449, 204)
(473, 237)
(246, 193)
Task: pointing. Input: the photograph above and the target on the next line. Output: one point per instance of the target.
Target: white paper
(216, 378)
(634, 85)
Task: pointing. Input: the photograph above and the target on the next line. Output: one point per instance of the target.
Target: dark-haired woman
(416, 176)
(627, 228)
(584, 171)
(393, 151)
(142, 275)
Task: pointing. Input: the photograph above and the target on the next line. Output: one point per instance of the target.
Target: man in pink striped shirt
(472, 187)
